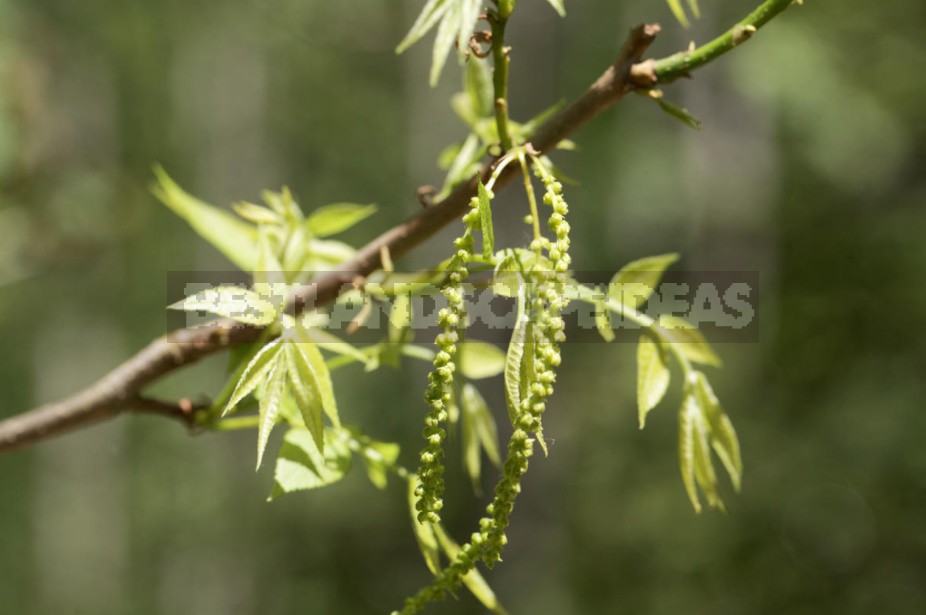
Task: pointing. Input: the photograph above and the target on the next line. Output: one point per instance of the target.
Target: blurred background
(809, 170)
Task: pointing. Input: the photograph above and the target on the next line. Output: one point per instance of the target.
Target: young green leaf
(636, 281)
(680, 113)
(478, 87)
(652, 377)
(704, 466)
(514, 357)
(481, 360)
(686, 448)
(300, 465)
(558, 5)
(679, 11)
(603, 322)
(479, 432)
(429, 16)
(269, 406)
(306, 393)
(472, 452)
(400, 319)
(311, 368)
(336, 218)
(379, 458)
(424, 531)
(233, 238)
(689, 340)
(723, 436)
(485, 218)
(255, 373)
(240, 304)
(257, 214)
(447, 33)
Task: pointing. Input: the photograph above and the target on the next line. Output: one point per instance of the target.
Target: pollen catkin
(438, 395)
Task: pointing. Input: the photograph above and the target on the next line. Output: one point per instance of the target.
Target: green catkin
(547, 303)
(452, 319)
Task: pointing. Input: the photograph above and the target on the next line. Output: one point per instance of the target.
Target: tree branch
(118, 391)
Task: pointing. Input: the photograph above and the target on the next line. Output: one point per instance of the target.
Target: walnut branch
(119, 391)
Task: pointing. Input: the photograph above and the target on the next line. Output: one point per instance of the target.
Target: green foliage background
(809, 169)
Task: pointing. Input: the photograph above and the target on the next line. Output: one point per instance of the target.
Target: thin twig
(118, 391)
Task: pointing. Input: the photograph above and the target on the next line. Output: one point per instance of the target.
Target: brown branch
(118, 391)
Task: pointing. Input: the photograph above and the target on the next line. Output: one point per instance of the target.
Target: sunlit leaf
(652, 377)
(400, 319)
(269, 278)
(240, 304)
(447, 32)
(481, 360)
(313, 369)
(324, 252)
(485, 218)
(336, 218)
(513, 359)
(306, 393)
(430, 14)
(686, 448)
(255, 373)
(723, 436)
(235, 239)
(379, 458)
(257, 214)
(689, 340)
(300, 465)
(269, 407)
(478, 87)
(636, 281)
(424, 532)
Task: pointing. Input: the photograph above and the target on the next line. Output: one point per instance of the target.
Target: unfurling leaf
(636, 281)
(686, 449)
(240, 304)
(481, 360)
(723, 436)
(336, 218)
(261, 365)
(690, 341)
(680, 113)
(306, 393)
(517, 349)
(300, 465)
(430, 14)
(478, 86)
(652, 377)
(269, 407)
(313, 370)
(485, 219)
(235, 239)
(695, 454)
(558, 5)
(257, 214)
